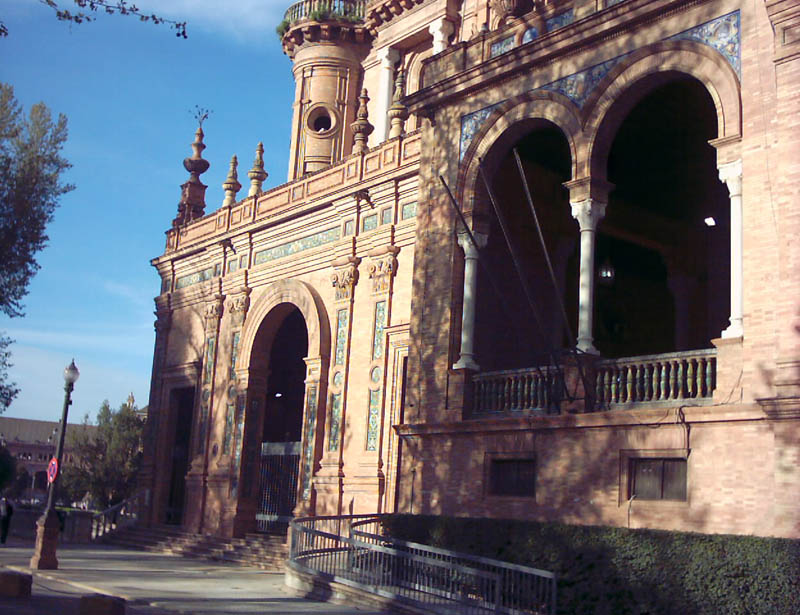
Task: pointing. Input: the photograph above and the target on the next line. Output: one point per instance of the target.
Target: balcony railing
(516, 390)
(350, 10)
(657, 378)
(660, 378)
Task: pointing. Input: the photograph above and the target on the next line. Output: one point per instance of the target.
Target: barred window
(512, 477)
(658, 479)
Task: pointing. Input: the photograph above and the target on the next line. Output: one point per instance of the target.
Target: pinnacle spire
(193, 192)
(231, 184)
(257, 174)
(361, 127)
(398, 112)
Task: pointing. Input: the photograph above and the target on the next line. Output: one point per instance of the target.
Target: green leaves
(31, 165)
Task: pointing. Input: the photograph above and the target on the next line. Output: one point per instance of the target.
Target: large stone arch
(508, 123)
(306, 299)
(641, 72)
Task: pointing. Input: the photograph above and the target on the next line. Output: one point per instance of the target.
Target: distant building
(346, 342)
(33, 443)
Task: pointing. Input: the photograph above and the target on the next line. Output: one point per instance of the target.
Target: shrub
(615, 571)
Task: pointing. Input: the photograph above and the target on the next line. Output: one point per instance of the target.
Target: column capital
(730, 174)
(470, 251)
(441, 30)
(588, 213)
(388, 57)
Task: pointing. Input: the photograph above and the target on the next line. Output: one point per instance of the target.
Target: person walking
(6, 510)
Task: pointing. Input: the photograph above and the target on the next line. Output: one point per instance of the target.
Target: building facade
(532, 260)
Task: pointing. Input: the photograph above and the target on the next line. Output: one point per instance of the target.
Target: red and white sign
(52, 470)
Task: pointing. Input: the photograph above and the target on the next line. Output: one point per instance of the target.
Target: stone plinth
(15, 584)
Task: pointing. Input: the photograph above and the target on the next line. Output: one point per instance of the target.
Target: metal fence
(352, 550)
(126, 513)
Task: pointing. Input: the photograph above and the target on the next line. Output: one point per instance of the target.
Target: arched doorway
(507, 333)
(276, 394)
(662, 252)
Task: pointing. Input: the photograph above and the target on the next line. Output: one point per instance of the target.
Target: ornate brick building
(623, 347)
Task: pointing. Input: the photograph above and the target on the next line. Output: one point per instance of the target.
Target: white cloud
(241, 19)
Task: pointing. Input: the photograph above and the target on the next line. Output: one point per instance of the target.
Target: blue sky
(127, 89)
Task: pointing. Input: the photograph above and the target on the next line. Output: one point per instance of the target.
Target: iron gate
(280, 464)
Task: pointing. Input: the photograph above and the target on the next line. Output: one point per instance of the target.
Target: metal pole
(51, 492)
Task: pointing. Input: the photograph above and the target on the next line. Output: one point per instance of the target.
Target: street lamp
(47, 527)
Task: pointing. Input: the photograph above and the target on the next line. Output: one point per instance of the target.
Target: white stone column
(467, 358)
(588, 213)
(441, 30)
(388, 57)
(731, 175)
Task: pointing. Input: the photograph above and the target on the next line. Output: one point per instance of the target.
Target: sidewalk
(154, 584)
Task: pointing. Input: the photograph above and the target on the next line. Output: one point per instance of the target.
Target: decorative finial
(193, 192)
(361, 128)
(231, 184)
(398, 112)
(257, 174)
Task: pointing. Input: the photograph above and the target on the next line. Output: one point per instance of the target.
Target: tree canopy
(88, 8)
(106, 462)
(31, 184)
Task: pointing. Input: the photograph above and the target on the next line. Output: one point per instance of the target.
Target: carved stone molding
(238, 306)
(382, 267)
(345, 277)
(213, 312)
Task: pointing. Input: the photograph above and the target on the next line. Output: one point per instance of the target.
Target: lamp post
(47, 527)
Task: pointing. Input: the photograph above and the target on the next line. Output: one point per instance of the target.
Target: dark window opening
(322, 123)
(515, 477)
(658, 479)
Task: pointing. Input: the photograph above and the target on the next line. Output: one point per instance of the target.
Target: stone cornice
(611, 418)
(458, 79)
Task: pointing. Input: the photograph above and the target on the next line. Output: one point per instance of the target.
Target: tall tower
(327, 41)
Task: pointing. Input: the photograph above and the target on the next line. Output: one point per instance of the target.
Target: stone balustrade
(330, 9)
(516, 390)
(671, 377)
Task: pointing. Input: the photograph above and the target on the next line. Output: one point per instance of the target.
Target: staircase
(265, 551)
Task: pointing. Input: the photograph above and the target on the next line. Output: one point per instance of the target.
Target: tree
(110, 7)
(106, 463)
(31, 168)
(8, 390)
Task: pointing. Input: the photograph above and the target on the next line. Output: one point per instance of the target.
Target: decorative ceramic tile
(380, 323)
(560, 20)
(723, 34)
(349, 227)
(370, 222)
(341, 336)
(234, 353)
(610, 3)
(298, 245)
(233, 265)
(194, 278)
(338, 379)
(311, 428)
(210, 356)
(375, 374)
(530, 34)
(335, 422)
(237, 445)
(577, 87)
(471, 123)
(201, 429)
(500, 47)
(229, 419)
(386, 216)
(409, 211)
(372, 420)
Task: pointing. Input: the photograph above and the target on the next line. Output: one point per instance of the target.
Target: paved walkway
(154, 584)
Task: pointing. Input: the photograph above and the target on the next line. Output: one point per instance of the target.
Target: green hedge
(616, 571)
